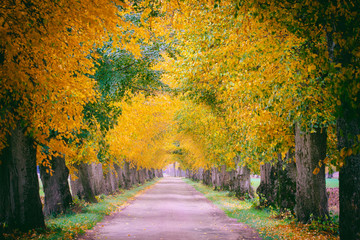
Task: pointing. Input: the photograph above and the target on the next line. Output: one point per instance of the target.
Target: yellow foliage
(45, 49)
(142, 132)
(252, 68)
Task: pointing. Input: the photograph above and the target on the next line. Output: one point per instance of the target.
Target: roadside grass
(82, 216)
(268, 222)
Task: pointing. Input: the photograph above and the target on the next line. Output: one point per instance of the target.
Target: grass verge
(83, 216)
(266, 221)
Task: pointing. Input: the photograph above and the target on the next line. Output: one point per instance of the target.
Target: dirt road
(171, 210)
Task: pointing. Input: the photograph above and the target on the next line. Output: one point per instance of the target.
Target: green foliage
(119, 71)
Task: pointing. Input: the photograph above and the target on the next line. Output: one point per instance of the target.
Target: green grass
(266, 221)
(76, 222)
(41, 188)
(332, 183)
(255, 182)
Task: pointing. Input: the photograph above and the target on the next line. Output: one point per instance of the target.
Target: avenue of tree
(111, 92)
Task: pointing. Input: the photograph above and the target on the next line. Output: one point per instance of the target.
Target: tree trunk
(188, 173)
(85, 178)
(20, 205)
(348, 135)
(110, 182)
(120, 176)
(232, 180)
(97, 179)
(141, 175)
(207, 177)
(133, 176)
(267, 187)
(130, 175)
(286, 183)
(127, 175)
(136, 176)
(179, 172)
(215, 178)
(56, 187)
(311, 197)
(243, 187)
(348, 129)
(224, 178)
(5, 214)
(196, 175)
(149, 174)
(278, 184)
(159, 173)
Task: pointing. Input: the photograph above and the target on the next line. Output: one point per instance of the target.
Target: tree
(278, 183)
(56, 187)
(45, 65)
(337, 60)
(311, 196)
(20, 206)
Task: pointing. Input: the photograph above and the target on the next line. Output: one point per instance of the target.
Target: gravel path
(172, 209)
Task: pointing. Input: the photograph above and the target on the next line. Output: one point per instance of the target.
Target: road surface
(171, 210)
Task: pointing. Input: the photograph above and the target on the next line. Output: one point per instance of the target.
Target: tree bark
(348, 129)
(149, 174)
(97, 179)
(5, 214)
(159, 173)
(119, 176)
(242, 186)
(215, 178)
(127, 175)
(85, 179)
(197, 175)
(19, 187)
(110, 182)
(286, 182)
(174, 169)
(348, 135)
(130, 175)
(141, 173)
(224, 178)
(267, 187)
(207, 177)
(311, 197)
(135, 175)
(278, 184)
(56, 187)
